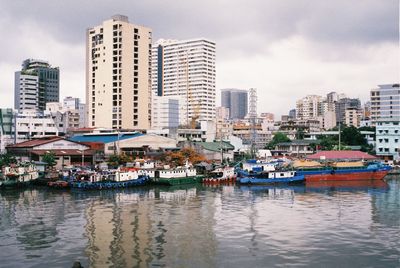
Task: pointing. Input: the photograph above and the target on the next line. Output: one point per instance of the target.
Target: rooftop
(216, 146)
(343, 155)
(35, 142)
(105, 137)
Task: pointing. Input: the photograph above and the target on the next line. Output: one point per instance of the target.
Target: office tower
(308, 107)
(292, 114)
(35, 85)
(236, 100)
(186, 69)
(118, 92)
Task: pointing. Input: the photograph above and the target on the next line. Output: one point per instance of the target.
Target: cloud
(284, 48)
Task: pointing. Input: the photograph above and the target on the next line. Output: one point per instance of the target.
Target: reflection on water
(319, 224)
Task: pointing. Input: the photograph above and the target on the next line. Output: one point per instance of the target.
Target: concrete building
(6, 128)
(66, 152)
(236, 100)
(328, 120)
(118, 92)
(342, 105)
(222, 113)
(164, 112)
(352, 117)
(308, 107)
(35, 85)
(388, 138)
(130, 143)
(186, 69)
(385, 102)
(292, 114)
(72, 103)
(32, 124)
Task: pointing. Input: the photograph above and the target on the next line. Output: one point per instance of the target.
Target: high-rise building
(308, 107)
(71, 103)
(236, 100)
(342, 105)
(118, 91)
(165, 112)
(35, 85)
(186, 69)
(385, 102)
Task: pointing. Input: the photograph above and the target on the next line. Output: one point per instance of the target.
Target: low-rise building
(388, 138)
(216, 151)
(66, 152)
(294, 148)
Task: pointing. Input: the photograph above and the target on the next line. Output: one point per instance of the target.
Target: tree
(278, 138)
(49, 159)
(6, 160)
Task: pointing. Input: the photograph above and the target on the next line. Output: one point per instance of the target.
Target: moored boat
(112, 179)
(221, 175)
(344, 171)
(18, 175)
(176, 176)
(272, 177)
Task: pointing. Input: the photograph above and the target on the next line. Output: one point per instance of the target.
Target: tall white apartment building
(118, 89)
(26, 91)
(164, 112)
(186, 69)
(308, 107)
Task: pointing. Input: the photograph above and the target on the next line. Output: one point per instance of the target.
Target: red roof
(35, 142)
(63, 152)
(354, 155)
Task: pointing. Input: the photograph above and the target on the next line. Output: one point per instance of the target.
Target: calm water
(335, 225)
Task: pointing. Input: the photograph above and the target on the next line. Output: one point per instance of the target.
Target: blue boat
(272, 177)
(113, 180)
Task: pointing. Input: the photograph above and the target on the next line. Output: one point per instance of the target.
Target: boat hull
(142, 180)
(178, 181)
(347, 176)
(253, 180)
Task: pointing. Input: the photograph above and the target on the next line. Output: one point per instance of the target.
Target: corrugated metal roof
(216, 146)
(104, 138)
(35, 142)
(353, 155)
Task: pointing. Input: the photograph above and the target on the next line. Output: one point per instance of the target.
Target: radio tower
(253, 119)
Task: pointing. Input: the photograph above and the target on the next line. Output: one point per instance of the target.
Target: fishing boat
(112, 179)
(221, 175)
(344, 171)
(272, 177)
(176, 176)
(18, 175)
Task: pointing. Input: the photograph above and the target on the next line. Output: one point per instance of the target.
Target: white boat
(15, 176)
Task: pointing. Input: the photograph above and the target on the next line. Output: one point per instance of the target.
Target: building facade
(308, 107)
(164, 112)
(35, 85)
(236, 100)
(118, 92)
(186, 69)
(385, 102)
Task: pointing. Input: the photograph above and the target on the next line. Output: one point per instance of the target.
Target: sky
(285, 49)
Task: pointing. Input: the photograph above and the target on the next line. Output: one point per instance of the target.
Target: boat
(60, 184)
(176, 176)
(343, 171)
(112, 179)
(221, 175)
(272, 177)
(18, 175)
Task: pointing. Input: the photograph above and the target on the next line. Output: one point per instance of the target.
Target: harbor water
(313, 225)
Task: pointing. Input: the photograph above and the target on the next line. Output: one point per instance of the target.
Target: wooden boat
(176, 176)
(18, 175)
(221, 175)
(272, 177)
(112, 179)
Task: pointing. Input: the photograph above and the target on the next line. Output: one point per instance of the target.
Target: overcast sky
(284, 48)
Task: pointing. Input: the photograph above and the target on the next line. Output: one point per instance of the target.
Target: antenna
(253, 118)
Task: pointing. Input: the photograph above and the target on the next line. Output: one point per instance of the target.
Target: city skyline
(279, 47)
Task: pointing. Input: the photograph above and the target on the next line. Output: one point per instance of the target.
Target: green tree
(352, 136)
(49, 159)
(278, 138)
(6, 160)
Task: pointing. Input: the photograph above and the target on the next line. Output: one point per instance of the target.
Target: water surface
(317, 225)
